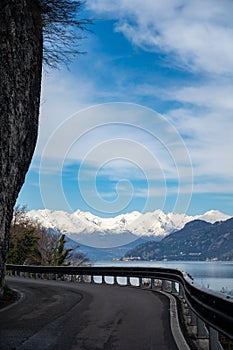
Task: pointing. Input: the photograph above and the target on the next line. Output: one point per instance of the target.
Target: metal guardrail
(214, 309)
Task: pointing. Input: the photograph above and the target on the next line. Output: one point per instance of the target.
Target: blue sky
(144, 120)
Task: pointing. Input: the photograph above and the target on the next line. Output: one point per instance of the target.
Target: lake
(215, 275)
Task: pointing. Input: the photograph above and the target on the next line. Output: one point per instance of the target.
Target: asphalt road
(62, 315)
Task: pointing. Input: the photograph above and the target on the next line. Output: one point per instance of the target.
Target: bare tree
(46, 245)
(54, 249)
(23, 25)
(60, 36)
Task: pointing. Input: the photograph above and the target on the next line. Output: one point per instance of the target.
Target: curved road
(62, 315)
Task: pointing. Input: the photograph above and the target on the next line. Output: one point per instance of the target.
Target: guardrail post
(192, 323)
(140, 281)
(92, 279)
(152, 283)
(202, 335)
(202, 332)
(174, 290)
(214, 341)
(80, 278)
(181, 291)
(115, 280)
(103, 279)
(164, 285)
(128, 281)
(186, 309)
(158, 284)
(193, 320)
(71, 278)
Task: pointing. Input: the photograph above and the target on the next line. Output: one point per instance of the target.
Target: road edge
(21, 296)
(175, 325)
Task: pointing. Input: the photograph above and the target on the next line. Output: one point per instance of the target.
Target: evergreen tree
(23, 249)
(61, 254)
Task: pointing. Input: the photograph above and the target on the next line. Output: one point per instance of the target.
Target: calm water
(217, 275)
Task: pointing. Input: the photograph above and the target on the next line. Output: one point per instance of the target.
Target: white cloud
(199, 34)
(205, 120)
(217, 95)
(62, 95)
(104, 136)
(209, 139)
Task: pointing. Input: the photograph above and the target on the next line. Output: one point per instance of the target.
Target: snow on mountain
(158, 223)
(213, 216)
(89, 229)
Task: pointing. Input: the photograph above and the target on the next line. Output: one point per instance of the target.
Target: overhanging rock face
(20, 72)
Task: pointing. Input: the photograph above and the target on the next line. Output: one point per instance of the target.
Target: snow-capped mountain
(95, 231)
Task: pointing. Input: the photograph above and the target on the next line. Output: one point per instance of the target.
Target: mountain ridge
(89, 229)
(197, 240)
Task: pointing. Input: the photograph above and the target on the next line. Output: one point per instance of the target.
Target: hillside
(103, 254)
(198, 240)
